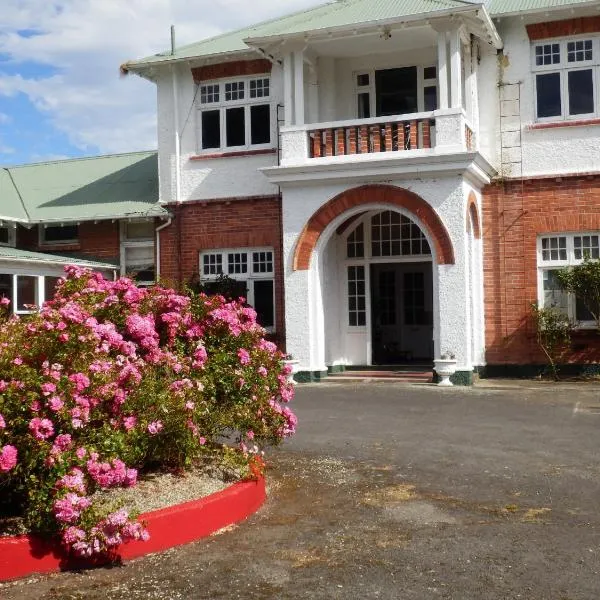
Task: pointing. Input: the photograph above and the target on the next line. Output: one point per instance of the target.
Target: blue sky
(60, 91)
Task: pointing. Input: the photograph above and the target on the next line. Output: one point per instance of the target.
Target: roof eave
(326, 31)
(546, 9)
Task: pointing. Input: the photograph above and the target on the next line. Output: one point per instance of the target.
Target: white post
(14, 294)
(456, 69)
(288, 87)
(443, 70)
(41, 291)
(299, 87)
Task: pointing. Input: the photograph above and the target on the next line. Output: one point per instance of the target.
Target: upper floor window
(556, 252)
(566, 73)
(235, 114)
(59, 234)
(7, 236)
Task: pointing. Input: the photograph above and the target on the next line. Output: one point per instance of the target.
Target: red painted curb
(168, 527)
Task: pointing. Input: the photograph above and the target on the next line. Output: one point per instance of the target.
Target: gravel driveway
(393, 491)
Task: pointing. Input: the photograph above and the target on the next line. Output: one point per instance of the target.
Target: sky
(60, 91)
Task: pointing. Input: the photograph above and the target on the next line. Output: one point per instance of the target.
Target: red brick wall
(236, 68)
(96, 240)
(235, 223)
(514, 213)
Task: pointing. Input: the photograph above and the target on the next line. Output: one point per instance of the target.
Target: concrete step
(396, 376)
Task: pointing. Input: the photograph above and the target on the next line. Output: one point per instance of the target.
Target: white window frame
(66, 242)
(370, 89)
(249, 276)
(12, 236)
(564, 68)
(553, 265)
(134, 243)
(222, 105)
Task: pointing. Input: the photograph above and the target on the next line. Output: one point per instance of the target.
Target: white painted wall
(305, 331)
(548, 151)
(207, 178)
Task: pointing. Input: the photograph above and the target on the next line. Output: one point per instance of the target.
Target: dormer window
(52, 235)
(235, 114)
(565, 78)
(7, 236)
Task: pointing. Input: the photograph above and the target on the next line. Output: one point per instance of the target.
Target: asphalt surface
(393, 491)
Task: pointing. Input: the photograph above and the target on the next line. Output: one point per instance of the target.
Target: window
(7, 236)
(395, 91)
(393, 234)
(565, 78)
(357, 300)
(254, 269)
(235, 114)
(554, 253)
(137, 251)
(59, 234)
(27, 293)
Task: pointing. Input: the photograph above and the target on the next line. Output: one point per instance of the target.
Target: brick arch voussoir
(373, 194)
(473, 212)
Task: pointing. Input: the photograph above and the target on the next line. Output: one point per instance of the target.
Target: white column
(443, 70)
(41, 291)
(299, 87)
(14, 293)
(288, 88)
(455, 69)
(327, 89)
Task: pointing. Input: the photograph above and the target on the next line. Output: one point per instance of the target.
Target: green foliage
(584, 282)
(553, 334)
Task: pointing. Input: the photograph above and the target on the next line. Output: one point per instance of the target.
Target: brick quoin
(215, 224)
(554, 29)
(238, 68)
(372, 194)
(515, 213)
(96, 240)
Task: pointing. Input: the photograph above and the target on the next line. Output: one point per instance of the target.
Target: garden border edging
(168, 527)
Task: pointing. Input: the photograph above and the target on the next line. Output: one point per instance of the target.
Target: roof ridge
(76, 159)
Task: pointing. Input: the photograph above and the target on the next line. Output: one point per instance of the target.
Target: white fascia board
(60, 263)
(365, 25)
(422, 165)
(119, 217)
(547, 9)
(13, 220)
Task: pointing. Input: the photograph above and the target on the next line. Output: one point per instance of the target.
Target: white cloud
(85, 41)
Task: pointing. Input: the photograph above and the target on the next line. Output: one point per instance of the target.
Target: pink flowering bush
(109, 380)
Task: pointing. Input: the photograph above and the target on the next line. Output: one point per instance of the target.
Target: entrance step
(400, 375)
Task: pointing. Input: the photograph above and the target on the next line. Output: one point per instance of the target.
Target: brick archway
(373, 194)
(473, 211)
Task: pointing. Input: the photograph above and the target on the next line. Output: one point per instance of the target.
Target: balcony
(412, 135)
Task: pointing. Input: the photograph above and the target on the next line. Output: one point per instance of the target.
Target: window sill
(558, 124)
(234, 154)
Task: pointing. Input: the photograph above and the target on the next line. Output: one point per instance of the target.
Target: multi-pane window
(59, 234)
(235, 114)
(393, 234)
(357, 299)
(253, 269)
(566, 73)
(355, 243)
(137, 251)
(556, 252)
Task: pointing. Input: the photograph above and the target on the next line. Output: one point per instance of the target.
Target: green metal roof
(84, 189)
(25, 256)
(339, 14)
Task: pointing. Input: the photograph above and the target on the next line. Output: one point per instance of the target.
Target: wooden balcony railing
(371, 136)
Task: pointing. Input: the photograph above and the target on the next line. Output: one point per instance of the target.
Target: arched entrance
(378, 291)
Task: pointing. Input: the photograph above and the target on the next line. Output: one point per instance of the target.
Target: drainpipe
(157, 246)
(177, 155)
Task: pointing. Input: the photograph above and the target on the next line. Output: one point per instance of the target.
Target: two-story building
(392, 181)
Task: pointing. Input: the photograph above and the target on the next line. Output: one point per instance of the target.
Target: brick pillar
(376, 133)
(414, 135)
(401, 142)
(426, 133)
(364, 139)
(340, 142)
(329, 142)
(352, 141)
(388, 137)
(316, 144)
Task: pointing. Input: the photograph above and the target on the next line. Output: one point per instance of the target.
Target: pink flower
(190, 405)
(8, 458)
(2, 422)
(244, 356)
(250, 435)
(18, 361)
(41, 428)
(80, 380)
(55, 403)
(129, 422)
(63, 441)
(202, 440)
(80, 453)
(155, 427)
(261, 371)
(68, 509)
(48, 388)
(4, 301)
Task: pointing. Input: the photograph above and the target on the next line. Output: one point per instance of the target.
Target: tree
(553, 334)
(584, 282)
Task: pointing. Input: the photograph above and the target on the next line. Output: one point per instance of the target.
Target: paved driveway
(393, 491)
